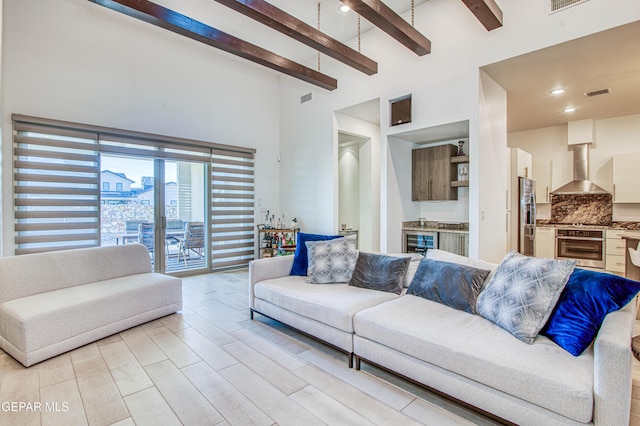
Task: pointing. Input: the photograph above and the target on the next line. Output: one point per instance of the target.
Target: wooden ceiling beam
(391, 23)
(195, 30)
(487, 11)
(291, 26)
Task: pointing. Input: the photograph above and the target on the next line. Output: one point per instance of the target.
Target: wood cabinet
(545, 242)
(543, 175)
(615, 252)
(625, 185)
(454, 242)
(432, 172)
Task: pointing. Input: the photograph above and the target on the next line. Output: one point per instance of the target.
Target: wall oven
(587, 246)
(419, 241)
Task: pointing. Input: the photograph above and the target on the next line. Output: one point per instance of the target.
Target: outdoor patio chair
(193, 241)
(145, 236)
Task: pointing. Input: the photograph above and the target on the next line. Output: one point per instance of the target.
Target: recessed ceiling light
(344, 8)
(558, 91)
(569, 109)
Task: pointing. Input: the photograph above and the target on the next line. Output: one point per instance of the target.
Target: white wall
(349, 186)
(369, 178)
(492, 174)
(445, 88)
(613, 136)
(77, 61)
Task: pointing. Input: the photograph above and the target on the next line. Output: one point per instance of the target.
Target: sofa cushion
(30, 274)
(452, 284)
(587, 298)
(37, 321)
(331, 261)
(380, 272)
(300, 258)
(523, 292)
(479, 350)
(333, 305)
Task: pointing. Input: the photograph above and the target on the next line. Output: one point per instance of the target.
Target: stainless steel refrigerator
(526, 216)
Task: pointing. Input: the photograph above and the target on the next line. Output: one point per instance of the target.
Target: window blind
(232, 208)
(56, 188)
(57, 185)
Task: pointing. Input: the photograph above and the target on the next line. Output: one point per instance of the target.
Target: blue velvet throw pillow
(584, 303)
(300, 257)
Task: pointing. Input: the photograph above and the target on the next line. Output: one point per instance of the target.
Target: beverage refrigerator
(526, 216)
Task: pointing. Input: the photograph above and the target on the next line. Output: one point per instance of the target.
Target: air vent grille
(305, 98)
(557, 5)
(597, 92)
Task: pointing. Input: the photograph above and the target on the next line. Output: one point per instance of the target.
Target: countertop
(631, 235)
(629, 226)
(430, 226)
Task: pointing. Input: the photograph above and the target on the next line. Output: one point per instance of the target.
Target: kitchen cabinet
(454, 242)
(543, 175)
(520, 163)
(545, 242)
(432, 172)
(615, 252)
(625, 187)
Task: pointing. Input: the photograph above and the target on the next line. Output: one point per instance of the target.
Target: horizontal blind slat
(54, 226)
(24, 152)
(24, 177)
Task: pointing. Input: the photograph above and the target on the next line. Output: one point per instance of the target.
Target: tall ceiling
(339, 25)
(606, 60)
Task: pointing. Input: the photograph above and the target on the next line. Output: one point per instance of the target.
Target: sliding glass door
(159, 203)
(186, 227)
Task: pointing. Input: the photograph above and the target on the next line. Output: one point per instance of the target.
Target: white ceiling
(339, 25)
(609, 59)
(606, 60)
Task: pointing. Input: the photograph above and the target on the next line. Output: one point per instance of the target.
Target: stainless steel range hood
(580, 184)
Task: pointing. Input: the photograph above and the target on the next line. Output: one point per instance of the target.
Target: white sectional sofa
(461, 355)
(53, 302)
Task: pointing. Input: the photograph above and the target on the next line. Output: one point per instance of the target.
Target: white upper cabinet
(520, 163)
(543, 175)
(626, 188)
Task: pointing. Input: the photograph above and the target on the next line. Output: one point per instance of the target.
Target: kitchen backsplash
(586, 209)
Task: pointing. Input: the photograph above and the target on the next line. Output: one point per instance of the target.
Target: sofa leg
(251, 313)
(351, 360)
(357, 362)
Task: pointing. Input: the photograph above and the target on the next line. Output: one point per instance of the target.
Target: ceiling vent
(597, 93)
(558, 5)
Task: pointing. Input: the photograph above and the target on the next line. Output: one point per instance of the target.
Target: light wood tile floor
(635, 391)
(211, 365)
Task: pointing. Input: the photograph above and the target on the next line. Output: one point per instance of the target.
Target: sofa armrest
(266, 269)
(612, 368)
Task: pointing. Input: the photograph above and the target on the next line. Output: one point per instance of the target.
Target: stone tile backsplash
(586, 209)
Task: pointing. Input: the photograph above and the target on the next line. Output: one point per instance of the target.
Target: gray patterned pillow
(523, 292)
(331, 261)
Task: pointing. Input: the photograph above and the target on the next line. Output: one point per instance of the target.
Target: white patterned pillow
(331, 261)
(523, 292)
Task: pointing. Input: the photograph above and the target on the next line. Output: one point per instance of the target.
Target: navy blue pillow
(300, 259)
(587, 298)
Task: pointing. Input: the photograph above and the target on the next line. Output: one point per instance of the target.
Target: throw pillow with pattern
(331, 261)
(523, 292)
